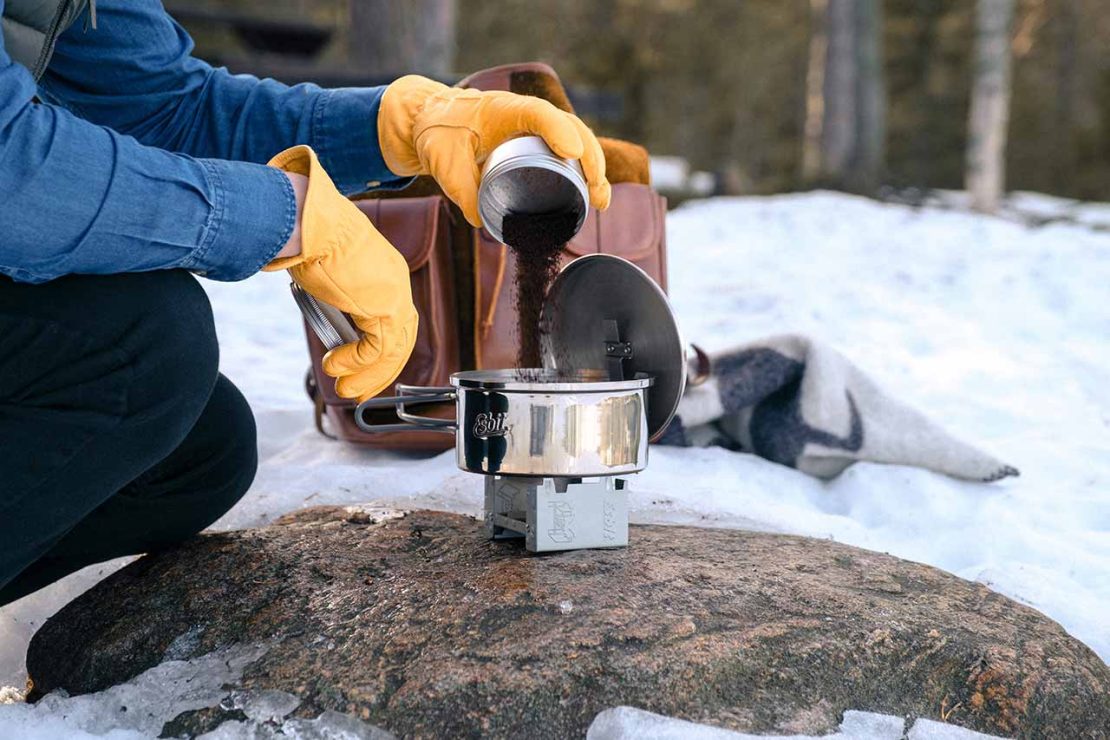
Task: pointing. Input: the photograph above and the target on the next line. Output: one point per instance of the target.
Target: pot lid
(545, 381)
(604, 313)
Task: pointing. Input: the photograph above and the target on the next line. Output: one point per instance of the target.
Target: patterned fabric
(798, 402)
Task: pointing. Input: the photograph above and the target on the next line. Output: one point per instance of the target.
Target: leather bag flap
(625, 229)
(409, 224)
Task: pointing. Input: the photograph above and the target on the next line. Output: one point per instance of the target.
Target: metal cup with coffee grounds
(534, 202)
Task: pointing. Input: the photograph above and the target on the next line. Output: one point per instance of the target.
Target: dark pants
(118, 435)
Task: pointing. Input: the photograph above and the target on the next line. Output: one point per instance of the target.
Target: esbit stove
(557, 513)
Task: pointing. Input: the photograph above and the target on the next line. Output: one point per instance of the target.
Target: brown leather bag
(419, 229)
(632, 228)
(462, 278)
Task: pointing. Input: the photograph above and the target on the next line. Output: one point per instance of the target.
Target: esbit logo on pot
(490, 425)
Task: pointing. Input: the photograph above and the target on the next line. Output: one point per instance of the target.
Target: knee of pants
(227, 432)
(176, 334)
(200, 480)
(237, 442)
(174, 352)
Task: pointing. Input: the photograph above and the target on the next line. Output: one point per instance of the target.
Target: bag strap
(317, 398)
(502, 259)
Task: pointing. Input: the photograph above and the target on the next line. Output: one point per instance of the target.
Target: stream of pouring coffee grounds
(538, 240)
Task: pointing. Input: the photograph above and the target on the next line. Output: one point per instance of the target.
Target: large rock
(419, 625)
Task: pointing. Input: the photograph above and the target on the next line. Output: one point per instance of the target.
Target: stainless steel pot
(615, 367)
(533, 422)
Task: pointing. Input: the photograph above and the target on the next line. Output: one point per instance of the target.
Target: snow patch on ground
(996, 328)
(134, 710)
(138, 709)
(629, 723)
(330, 725)
(1034, 209)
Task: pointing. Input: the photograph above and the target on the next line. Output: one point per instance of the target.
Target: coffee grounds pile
(537, 239)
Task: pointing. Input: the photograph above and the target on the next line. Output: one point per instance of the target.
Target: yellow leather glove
(427, 128)
(345, 262)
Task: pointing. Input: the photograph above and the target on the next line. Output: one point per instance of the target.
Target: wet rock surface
(418, 625)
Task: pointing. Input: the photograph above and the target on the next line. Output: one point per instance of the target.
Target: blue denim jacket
(141, 157)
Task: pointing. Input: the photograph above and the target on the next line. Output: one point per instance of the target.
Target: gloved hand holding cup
(427, 128)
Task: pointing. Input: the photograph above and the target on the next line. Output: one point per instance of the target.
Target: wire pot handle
(409, 395)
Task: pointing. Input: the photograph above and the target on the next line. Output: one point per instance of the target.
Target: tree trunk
(925, 145)
(838, 131)
(846, 96)
(389, 37)
(990, 105)
(1067, 72)
(870, 151)
(815, 92)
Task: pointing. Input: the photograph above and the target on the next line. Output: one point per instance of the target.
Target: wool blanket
(799, 402)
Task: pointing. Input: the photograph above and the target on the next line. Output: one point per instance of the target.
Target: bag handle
(502, 260)
(700, 367)
(524, 78)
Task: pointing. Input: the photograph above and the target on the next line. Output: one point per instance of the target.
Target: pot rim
(512, 382)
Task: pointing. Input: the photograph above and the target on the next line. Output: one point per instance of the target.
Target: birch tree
(815, 92)
(990, 105)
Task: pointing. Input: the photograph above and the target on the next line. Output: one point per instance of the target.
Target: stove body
(553, 514)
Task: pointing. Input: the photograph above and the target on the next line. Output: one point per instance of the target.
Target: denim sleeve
(135, 73)
(80, 198)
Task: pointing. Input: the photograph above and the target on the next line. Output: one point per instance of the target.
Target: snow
(996, 327)
(330, 725)
(134, 710)
(1031, 209)
(668, 172)
(138, 709)
(629, 723)
(928, 729)
(672, 175)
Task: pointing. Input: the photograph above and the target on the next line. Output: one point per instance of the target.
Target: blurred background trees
(864, 95)
(413, 36)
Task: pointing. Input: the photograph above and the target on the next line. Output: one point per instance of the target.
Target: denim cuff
(254, 210)
(345, 137)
